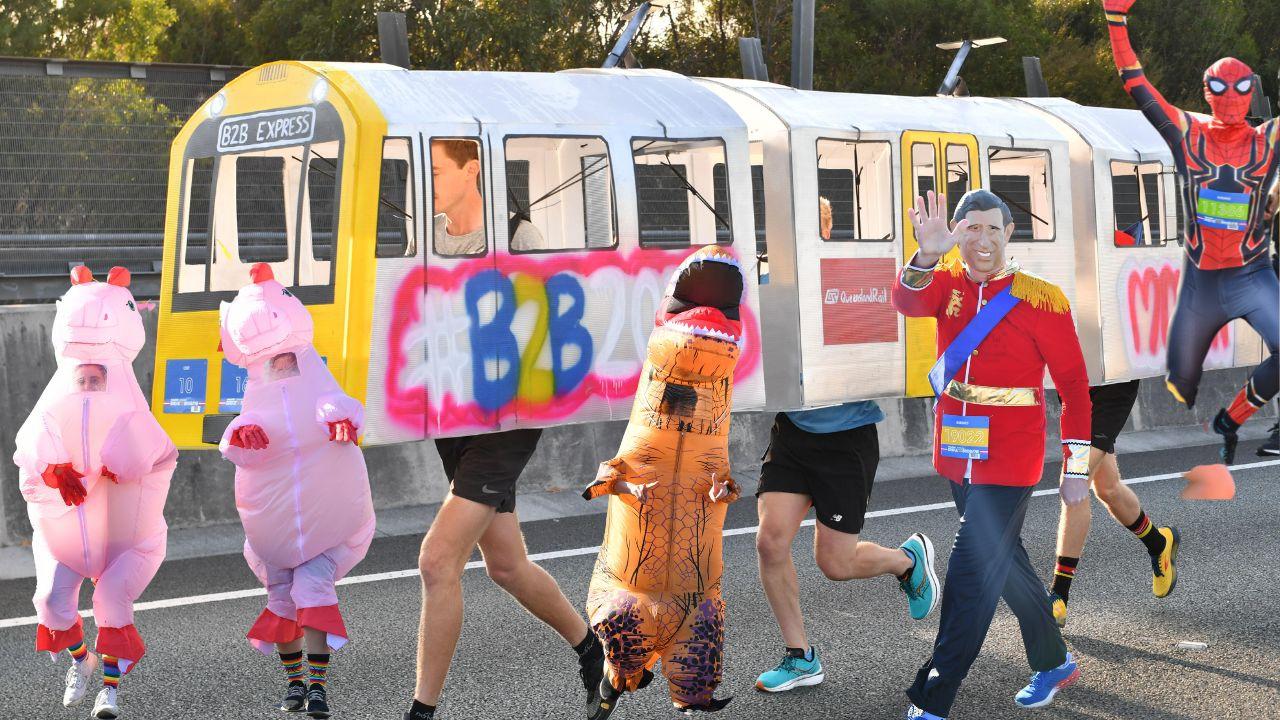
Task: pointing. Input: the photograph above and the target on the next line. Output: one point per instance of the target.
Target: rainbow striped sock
(110, 672)
(78, 652)
(293, 667)
(1063, 574)
(319, 663)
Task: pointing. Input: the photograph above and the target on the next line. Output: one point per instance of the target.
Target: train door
(942, 162)
(850, 333)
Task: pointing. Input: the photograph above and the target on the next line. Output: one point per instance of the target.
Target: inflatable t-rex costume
(303, 499)
(655, 593)
(94, 467)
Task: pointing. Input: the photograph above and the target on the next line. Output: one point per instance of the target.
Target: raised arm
(916, 294)
(1168, 120)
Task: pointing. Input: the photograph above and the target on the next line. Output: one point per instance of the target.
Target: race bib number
(1223, 210)
(965, 437)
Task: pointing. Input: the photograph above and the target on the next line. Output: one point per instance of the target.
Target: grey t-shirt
(526, 237)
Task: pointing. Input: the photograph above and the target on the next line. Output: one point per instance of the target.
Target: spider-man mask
(1228, 86)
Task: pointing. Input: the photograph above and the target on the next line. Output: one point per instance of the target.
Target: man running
(480, 507)
(826, 459)
(998, 330)
(1111, 407)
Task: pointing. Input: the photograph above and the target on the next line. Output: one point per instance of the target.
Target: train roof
(1121, 133)
(643, 101)
(891, 114)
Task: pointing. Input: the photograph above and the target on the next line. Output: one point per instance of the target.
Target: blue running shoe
(921, 587)
(915, 713)
(1044, 685)
(793, 672)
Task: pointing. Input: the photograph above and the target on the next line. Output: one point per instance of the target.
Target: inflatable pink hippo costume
(94, 467)
(302, 492)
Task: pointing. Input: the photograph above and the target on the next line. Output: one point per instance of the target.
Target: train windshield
(275, 205)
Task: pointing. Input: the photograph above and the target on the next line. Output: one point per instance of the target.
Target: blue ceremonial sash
(953, 358)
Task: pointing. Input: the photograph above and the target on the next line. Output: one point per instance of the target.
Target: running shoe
(1164, 567)
(607, 700)
(1272, 445)
(793, 672)
(78, 676)
(915, 713)
(591, 670)
(295, 699)
(105, 707)
(1059, 606)
(1227, 428)
(921, 587)
(1044, 685)
(317, 702)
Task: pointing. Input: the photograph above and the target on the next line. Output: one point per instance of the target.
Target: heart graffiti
(1148, 291)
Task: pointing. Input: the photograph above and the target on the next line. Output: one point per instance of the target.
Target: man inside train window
(459, 203)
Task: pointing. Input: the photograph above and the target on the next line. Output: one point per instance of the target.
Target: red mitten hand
(66, 480)
(1117, 6)
(110, 475)
(249, 437)
(342, 431)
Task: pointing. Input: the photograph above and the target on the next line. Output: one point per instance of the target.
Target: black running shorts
(836, 470)
(485, 468)
(1111, 407)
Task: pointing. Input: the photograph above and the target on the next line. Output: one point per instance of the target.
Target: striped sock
(293, 667)
(1246, 403)
(1063, 574)
(78, 652)
(319, 663)
(110, 672)
(1147, 533)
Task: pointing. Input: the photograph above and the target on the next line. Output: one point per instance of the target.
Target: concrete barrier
(411, 474)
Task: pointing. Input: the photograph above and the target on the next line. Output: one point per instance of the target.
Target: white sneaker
(78, 676)
(105, 708)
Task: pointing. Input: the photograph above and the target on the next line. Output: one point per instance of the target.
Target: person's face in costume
(982, 246)
(453, 185)
(91, 378)
(284, 365)
(1228, 87)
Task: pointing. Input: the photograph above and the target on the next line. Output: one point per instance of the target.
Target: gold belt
(983, 395)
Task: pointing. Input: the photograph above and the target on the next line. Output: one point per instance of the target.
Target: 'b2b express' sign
(267, 129)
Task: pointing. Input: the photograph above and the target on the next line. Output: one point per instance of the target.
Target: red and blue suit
(1225, 167)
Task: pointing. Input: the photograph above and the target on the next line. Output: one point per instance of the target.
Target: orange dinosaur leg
(693, 663)
(627, 630)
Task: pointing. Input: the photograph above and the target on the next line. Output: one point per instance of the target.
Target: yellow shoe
(1164, 567)
(1059, 609)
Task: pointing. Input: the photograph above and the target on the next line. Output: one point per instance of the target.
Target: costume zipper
(84, 455)
(671, 503)
(297, 475)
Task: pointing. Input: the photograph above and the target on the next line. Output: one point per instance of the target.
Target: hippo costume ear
(81, 275)
(119, 277)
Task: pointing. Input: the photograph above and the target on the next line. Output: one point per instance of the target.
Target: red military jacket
(1037, 332)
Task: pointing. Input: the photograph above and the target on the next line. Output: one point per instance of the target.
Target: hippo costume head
(264, 321)
(97, 321)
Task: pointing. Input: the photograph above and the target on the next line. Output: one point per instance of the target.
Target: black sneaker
(1226, 427)
(606, 701)
(591, 670)
(1272, 445)
(295, 700)
(317, 702)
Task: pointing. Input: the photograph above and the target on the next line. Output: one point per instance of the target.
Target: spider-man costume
(1226, 167)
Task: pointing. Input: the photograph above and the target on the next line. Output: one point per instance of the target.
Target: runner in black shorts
(829, 464)
(1111, 407)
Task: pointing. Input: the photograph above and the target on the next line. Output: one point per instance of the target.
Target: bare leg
(1120, 500)
(842, 556)
(317, 641)
(780, 516)
(445, 550)
(291, 647)
(509, 566)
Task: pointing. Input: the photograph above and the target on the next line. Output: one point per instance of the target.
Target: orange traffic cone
(1209, 482)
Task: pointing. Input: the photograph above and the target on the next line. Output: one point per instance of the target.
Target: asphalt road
(510, 666)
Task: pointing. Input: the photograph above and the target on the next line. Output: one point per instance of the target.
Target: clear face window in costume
(90, 377)
(857, 178)
(284, 365)
(1138, 193)
(1021, 178)
(457, 198)
(674, 192)
(562, 187)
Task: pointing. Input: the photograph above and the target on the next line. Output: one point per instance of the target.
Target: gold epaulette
(950, 266)
(1039, 293)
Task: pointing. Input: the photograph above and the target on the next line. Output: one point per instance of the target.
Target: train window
(395, 201)
(924, 157)
(673, 181)
(720, 180)
(959, 177)
(457, 170)
(559, 194)
(260, 210)
(200, 182)
(322, 202)
(1137, 194)
(1020, 177)
(856, 177)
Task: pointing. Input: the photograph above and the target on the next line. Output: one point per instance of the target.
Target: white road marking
(556, 554)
